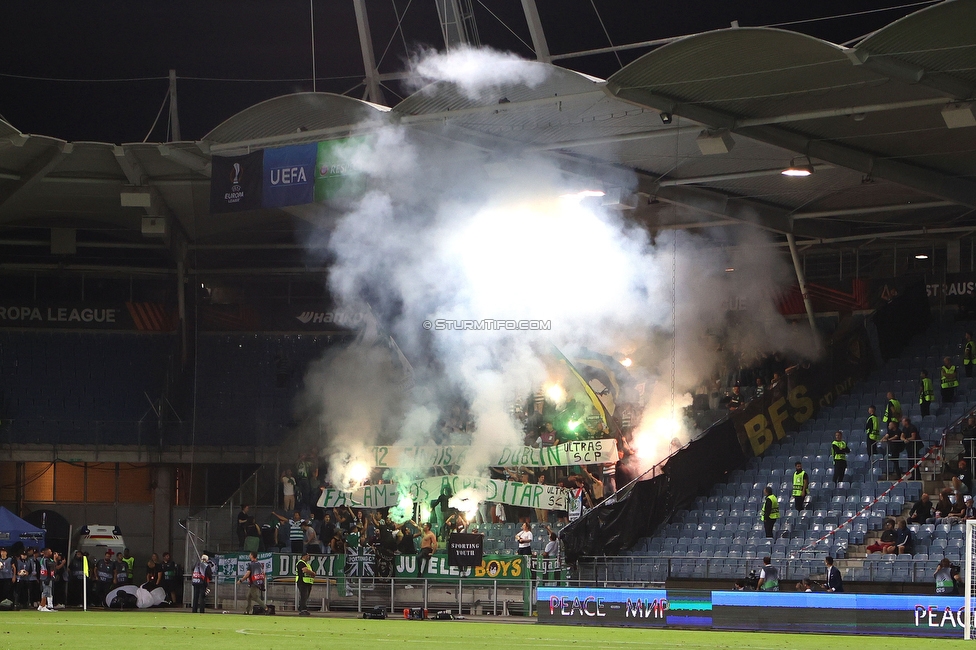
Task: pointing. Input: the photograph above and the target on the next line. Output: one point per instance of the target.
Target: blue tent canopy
(13, 529)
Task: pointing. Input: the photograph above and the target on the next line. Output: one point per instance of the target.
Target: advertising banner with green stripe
(280, 567)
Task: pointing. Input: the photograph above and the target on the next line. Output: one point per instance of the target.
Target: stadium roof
(871, 120)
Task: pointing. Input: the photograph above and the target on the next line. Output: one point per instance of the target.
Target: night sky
(231, 55)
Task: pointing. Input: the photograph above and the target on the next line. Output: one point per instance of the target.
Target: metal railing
(464, 595)
(645, 571)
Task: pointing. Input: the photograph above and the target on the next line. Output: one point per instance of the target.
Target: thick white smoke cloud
(437, 237)
(476, 72)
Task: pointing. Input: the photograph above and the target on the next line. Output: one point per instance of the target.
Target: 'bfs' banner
(465, 549)
(235, 183)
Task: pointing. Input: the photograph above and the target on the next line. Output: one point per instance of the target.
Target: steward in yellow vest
(949, 380)
(926, 394)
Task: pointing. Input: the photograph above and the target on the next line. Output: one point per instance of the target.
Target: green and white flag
(579, 452)
(387, 495)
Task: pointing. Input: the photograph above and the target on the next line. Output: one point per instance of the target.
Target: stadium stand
(90, 388)
(247, 385)
(102, 388)
(722, 537)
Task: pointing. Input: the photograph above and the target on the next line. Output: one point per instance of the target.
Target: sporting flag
(604, 374)
(360, 562)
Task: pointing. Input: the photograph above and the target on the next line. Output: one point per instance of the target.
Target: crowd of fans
(891, 436)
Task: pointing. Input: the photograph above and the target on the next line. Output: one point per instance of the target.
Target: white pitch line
(244, 630)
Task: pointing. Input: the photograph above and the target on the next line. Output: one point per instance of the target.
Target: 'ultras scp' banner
(582, 452)
(387, 495)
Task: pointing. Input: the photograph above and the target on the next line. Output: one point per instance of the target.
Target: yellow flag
(85, 563)
(597, 404)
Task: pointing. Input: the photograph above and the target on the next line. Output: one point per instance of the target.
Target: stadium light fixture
(583, 194)
(135, 198)
(921, 256)
(711, 143)
(666, 118)
(957, 116)
(799, 167)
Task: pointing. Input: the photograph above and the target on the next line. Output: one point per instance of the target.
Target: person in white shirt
(288, 490)
(551, 551)
(524, 539)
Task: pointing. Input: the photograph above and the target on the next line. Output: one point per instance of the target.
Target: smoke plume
(441, 238)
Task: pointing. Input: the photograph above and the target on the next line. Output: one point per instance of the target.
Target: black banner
(638, 510)
(621, 520)
(465, 549)
(957, 289)
(235, 182)
(281, 317)
(904, 316)
(142, 316)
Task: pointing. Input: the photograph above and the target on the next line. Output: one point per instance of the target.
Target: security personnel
(76, 579)
(839, 451)
(969, 354)
(129, 563)
(768, 577)
(166, 578)
(121, 572)
(770, 510)
(122, 576)
(304, 576)
(202, 575)
(104, 578)
(949, 380)
(892, 409)
(801, 486)
(6, 575)
(926, 394)
(872, 430)
(255, 577)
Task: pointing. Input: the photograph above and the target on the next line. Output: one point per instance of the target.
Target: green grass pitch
(214, 631)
